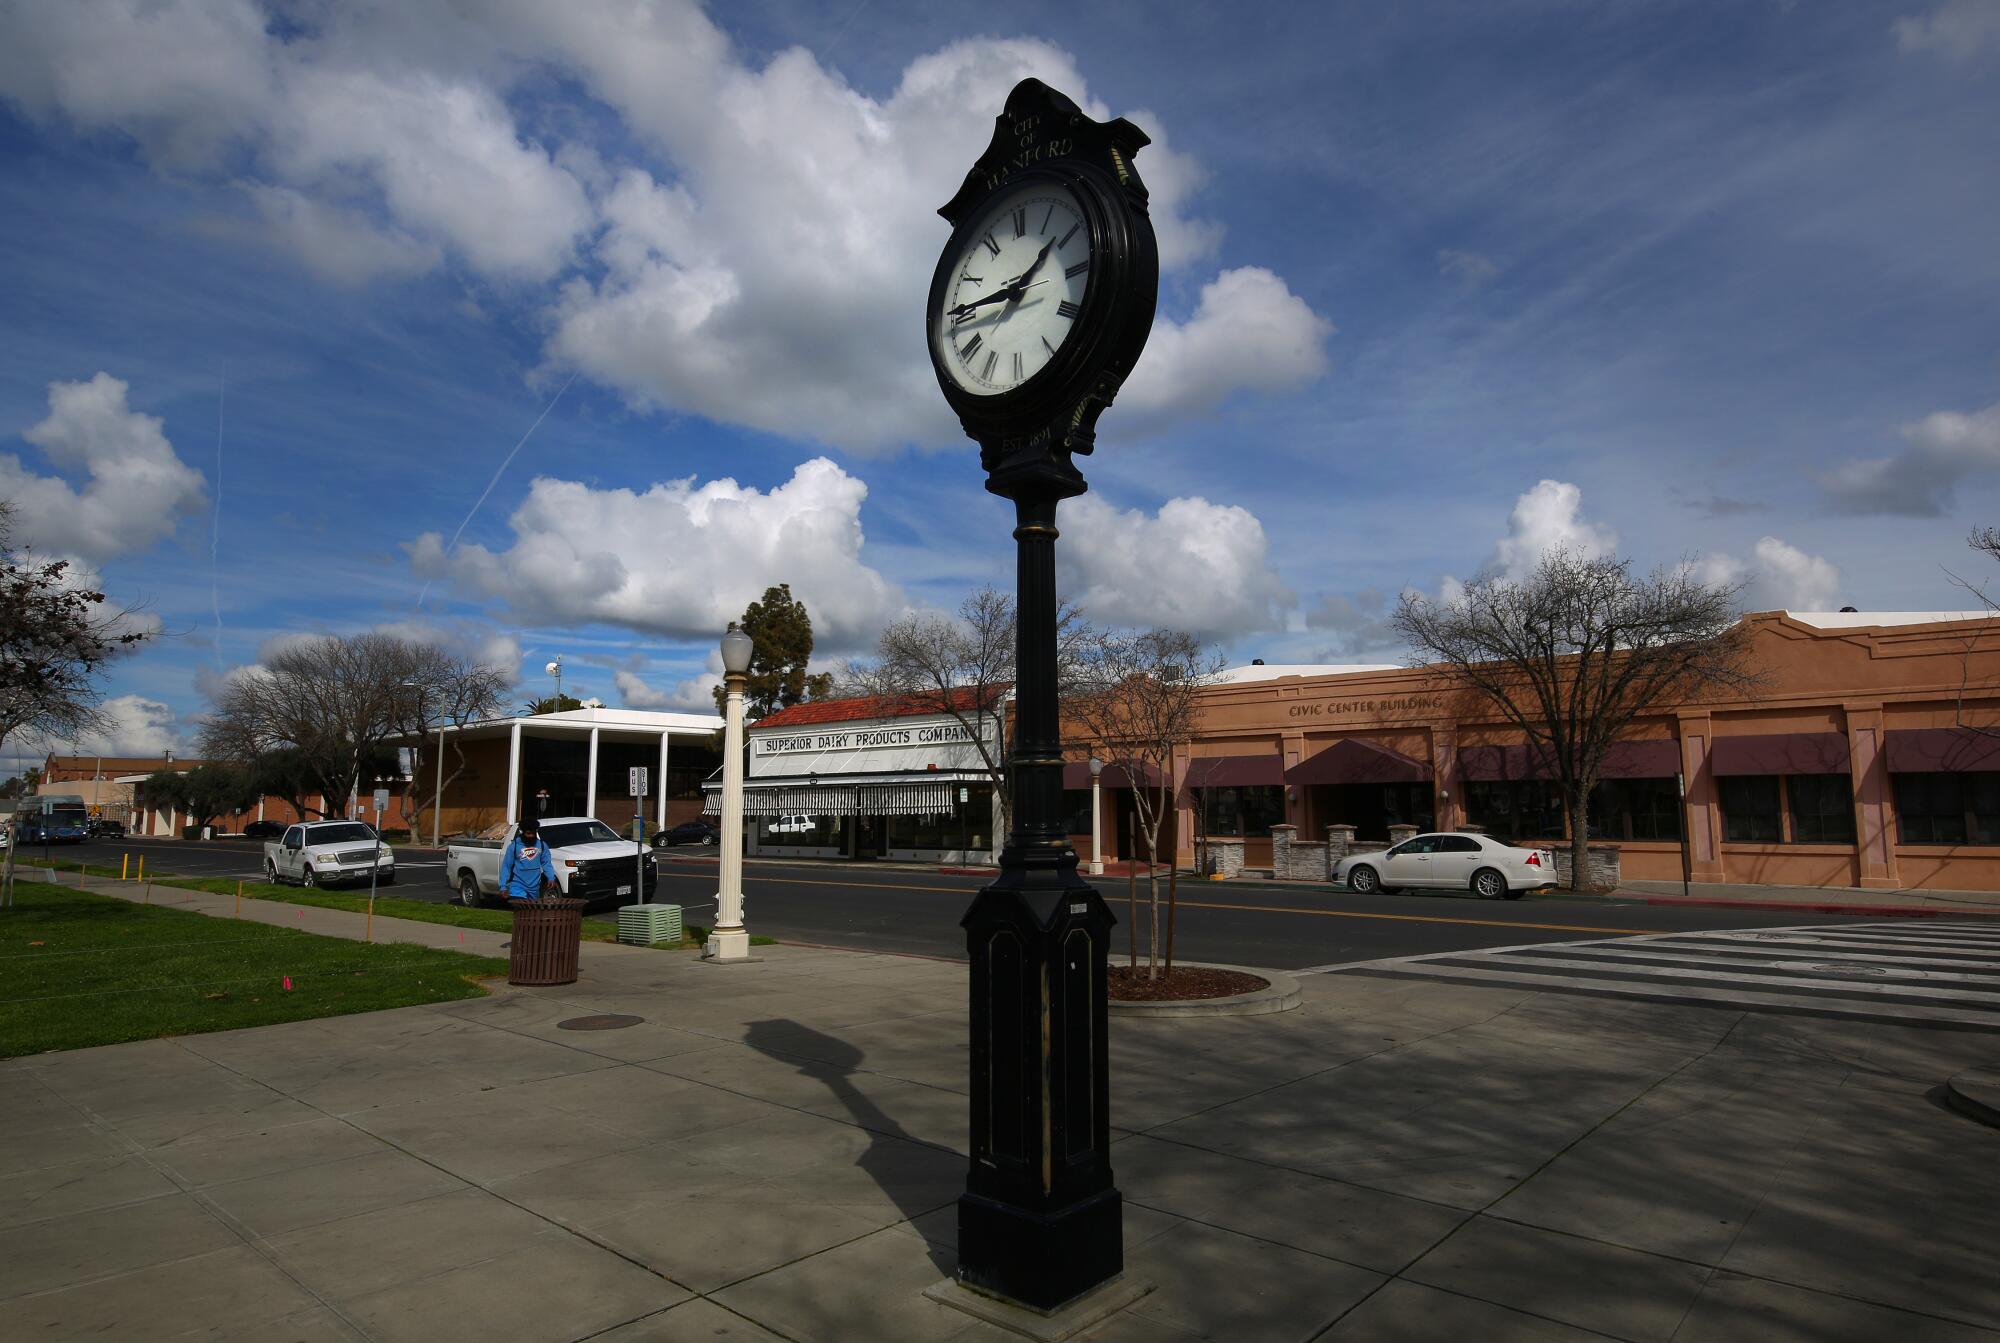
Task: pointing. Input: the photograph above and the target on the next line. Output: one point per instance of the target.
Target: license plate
(624, 890)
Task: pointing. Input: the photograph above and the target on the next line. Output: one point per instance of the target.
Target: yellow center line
(1254, 909)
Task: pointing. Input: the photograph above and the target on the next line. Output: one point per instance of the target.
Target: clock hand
(1012, 291)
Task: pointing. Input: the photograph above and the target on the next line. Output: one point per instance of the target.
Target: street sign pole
(636, 776)
(1681, 790)
(375, 867)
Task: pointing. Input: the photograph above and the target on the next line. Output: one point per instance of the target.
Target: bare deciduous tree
(441, 688)
(56, 638)
(1136, 697)
(961, 668)
(333, 704)
(1576, 650)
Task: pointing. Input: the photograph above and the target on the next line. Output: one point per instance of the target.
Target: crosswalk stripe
(1942, 974)
(1613, 956)
(1751, 950)
(1662, 992)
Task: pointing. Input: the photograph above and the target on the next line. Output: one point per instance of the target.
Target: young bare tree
(1135, 699)
(1576, 650)
(961, 668)
(334, 703)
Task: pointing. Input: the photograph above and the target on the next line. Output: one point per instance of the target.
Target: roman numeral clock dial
(1017, 290)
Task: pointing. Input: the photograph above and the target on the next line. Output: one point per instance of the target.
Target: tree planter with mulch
(1200, 990)
(1183, 984)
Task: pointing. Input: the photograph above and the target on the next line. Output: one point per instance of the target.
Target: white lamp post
(1096, 843)
(729, 941)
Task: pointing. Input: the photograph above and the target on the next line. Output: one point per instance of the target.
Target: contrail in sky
(509, 461)
(215, 524)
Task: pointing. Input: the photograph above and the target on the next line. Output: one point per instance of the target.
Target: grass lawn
(494, 919)
(80, 969)
(387, 905)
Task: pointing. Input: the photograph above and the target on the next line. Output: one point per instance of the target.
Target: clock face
(1015, 290)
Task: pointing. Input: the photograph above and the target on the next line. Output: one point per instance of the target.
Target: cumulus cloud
(1943, 449)
(1194, 565)
(337, 243)
(1778, 577)
(735, 240)
(1957, 28)
(679, 559)
(1248, 333)
(1352, 624)
(134, 726)
(1545, 518)
(135, 484)
(695, 694)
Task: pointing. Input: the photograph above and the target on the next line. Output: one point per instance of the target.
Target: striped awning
(927, 794)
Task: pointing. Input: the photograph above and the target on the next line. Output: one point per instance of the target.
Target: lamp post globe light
(731, 941)
(1039, 307)
(1096, 842)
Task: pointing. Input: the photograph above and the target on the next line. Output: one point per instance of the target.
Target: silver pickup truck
(321, 853)
(592, 862)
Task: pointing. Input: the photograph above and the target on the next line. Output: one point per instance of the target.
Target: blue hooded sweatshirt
(524, 868)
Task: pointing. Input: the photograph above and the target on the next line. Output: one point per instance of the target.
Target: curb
(1280, 995)
(1803, 907)
(1975, 1093)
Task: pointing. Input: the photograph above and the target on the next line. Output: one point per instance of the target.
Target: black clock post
(1039, 1222)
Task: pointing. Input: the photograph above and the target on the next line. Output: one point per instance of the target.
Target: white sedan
(1481, 864)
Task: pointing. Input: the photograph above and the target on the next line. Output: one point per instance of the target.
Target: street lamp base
(727, 944)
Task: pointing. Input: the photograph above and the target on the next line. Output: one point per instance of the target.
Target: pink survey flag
(288, 983)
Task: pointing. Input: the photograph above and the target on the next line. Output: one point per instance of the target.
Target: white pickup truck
(321, 853)
(592, 862)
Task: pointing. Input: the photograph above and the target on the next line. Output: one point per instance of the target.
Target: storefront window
(801, 831)
(1249, 811)
(1516, 808)
(968, 827)
(1076, 811)
(1822, 807)
(1948, 808)
(1750, 808)
(1635, 809)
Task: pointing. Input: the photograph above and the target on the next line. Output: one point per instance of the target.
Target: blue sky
(1444, 284)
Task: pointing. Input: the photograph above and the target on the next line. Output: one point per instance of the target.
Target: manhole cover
(1852, 971)
(610, 1021)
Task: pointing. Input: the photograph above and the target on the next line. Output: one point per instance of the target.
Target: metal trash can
(547, 936)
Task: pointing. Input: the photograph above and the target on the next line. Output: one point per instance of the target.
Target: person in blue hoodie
(526, 864)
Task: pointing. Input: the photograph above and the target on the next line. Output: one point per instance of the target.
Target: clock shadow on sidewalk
(833, 1062)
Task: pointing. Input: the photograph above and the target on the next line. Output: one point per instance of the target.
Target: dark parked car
(687, 832)
(263, 830)
(110, 830)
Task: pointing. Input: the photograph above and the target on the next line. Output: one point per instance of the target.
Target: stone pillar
(1281, 849)
(666, 748)
(590, 778)
(1399, 833)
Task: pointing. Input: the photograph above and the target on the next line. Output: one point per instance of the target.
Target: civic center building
(1868, 757)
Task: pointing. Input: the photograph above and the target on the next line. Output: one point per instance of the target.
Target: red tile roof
(963, 699)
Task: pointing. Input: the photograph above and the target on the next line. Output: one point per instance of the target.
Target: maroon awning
(1934, 750)
(1781, 753)
(1357, 760)
(1236, 771)
(1076, 774)
(1657, 759)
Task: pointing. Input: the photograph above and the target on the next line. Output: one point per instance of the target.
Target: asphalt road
(906, 910)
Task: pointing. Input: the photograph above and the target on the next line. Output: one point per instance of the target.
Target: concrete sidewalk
(774, 1151)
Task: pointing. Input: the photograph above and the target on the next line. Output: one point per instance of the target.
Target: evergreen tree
(781, 635)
